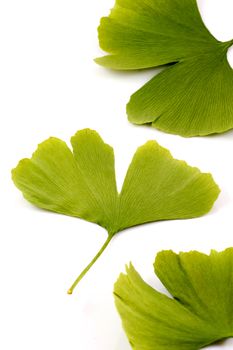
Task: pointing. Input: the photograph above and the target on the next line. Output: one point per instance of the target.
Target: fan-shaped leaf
(82, 184)
(200, 312)
(192, 97)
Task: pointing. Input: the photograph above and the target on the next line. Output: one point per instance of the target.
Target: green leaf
(194, 96)
(200, 312)
(82, 184)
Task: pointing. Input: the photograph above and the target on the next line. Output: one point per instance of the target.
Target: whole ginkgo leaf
(194, 95)
(200, 312)
(82, 184)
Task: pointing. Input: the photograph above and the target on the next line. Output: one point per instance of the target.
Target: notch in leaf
(200, 312)
(194, 95)
(82, 184)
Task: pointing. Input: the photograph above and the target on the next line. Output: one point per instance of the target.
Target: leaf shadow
(226, 134)
(224, 343)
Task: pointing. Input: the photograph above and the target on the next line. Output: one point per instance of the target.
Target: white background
(50, 86)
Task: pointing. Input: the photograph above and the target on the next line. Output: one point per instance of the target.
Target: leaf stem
(228, 44)
(83, 273)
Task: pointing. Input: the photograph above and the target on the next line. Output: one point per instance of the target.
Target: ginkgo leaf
(200, 312)
(82, 184)
(192, 97)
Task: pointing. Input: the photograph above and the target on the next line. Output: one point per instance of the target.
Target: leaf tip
(97, 60)
(18, 170)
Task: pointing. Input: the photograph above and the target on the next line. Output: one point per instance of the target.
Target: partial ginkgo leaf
(82, 184)
(200, 312)
(174, 101)
(192, 97)
(159, 187)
